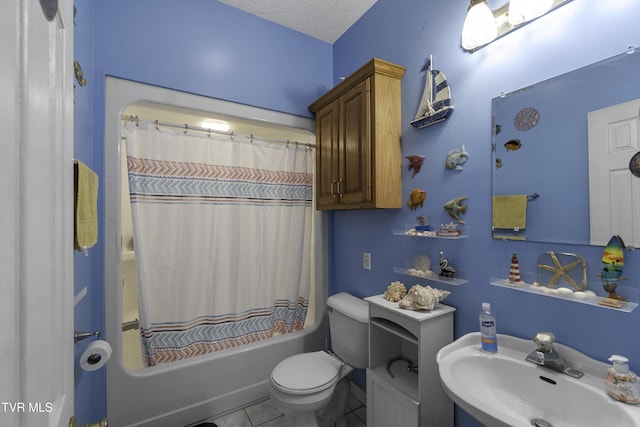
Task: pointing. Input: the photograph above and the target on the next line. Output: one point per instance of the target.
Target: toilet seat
(307, 373)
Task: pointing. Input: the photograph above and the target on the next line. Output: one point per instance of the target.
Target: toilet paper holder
(79, 336)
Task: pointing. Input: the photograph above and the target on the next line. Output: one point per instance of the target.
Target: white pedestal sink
(504, 390)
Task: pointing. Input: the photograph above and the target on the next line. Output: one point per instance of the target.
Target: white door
(36, 208)
(614, 192)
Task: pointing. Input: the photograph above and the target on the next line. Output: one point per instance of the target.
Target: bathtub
(184, 392)
(181, 393)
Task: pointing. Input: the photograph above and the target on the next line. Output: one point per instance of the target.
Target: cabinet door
(387, 406)
(354, 180)
(327, 170)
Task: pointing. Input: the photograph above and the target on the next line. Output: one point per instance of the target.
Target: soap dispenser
(621, 383)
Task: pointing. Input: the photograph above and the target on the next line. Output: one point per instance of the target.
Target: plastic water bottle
(488, 329)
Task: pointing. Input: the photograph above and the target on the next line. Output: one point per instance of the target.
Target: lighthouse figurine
(514, 271)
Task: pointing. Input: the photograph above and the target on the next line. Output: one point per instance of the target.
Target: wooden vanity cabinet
(358, 129)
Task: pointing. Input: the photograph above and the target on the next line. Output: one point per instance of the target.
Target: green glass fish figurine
(455, 207)
(416, 199)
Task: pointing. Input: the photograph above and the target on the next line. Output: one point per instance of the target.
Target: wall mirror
(541, 152)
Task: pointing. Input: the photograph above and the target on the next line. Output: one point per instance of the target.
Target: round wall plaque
(526, 118)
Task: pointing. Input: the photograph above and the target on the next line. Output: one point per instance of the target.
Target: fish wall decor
(416, 198)
(512, 145)
(456, 158)
(415, 163)
(455, 207)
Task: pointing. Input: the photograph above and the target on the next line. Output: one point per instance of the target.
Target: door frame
(36, 217)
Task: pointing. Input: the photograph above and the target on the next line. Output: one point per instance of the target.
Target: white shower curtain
(222, 236)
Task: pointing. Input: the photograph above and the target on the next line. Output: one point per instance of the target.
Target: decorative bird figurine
(415, 163)
(416, 198)
(455, 207)
(445, 269)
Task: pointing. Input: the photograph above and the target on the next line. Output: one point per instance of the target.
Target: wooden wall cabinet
(358, 130)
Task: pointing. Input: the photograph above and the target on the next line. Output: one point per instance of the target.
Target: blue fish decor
(456, 158)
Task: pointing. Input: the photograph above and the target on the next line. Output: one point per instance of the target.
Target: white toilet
(313, 388)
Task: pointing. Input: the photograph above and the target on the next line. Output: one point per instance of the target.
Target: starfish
(559, 270)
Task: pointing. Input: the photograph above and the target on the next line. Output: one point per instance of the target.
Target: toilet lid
(307, 373)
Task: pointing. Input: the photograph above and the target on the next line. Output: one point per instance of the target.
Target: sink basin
(504, 390)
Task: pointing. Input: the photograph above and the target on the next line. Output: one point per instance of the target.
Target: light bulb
(479, 26)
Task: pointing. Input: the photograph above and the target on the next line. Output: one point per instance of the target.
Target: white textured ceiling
(325, 20)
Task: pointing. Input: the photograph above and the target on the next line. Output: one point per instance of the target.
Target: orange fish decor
(416, 199)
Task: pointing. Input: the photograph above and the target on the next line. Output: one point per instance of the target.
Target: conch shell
(395, 292)
(421, 298)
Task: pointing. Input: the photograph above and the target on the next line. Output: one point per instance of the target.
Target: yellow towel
(509, 211)
(85, 207)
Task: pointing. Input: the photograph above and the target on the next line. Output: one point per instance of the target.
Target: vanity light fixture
(525, 10)
(483, 25)
(479, 26)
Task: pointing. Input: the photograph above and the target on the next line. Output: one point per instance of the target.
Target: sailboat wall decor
(435, 105)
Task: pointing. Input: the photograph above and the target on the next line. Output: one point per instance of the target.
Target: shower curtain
(222, 237)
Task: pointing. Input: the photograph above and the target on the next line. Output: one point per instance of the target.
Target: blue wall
(88, 270)
(579, 33)
(208, 48)
(205, 47)
(196, 46)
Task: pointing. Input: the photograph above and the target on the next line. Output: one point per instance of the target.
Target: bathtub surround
(183, 392)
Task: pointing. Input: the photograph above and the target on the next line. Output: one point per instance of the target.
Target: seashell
(590, 294)
(422, 298)
(395, 292)
(564, 291)
(579, 294)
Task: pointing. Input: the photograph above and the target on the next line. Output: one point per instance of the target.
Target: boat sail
(435, 105)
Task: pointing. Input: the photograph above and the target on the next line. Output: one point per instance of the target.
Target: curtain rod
(186, 128)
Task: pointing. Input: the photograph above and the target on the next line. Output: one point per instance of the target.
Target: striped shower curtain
(222, 236)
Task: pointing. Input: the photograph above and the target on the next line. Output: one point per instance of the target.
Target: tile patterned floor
(265, 414)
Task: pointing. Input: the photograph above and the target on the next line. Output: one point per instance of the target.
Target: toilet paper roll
(95, 356)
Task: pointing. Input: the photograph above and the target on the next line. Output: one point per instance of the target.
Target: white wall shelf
(411, 232)
(455, 281)
(630, 293)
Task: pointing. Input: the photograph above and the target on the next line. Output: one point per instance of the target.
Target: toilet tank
(349, 328)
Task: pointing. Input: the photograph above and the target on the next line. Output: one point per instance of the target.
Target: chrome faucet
(547, 356)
